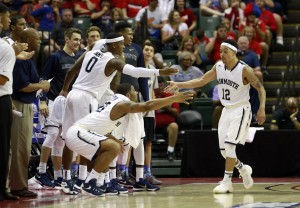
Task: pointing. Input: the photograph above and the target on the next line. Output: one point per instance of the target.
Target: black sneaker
(171, 156)
(58, 181)
(118, 187)
(92, 189)
(43, 180)
(143, 185)
(68, 187)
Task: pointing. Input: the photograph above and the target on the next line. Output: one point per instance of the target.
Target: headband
(115, 39)
(229, 46)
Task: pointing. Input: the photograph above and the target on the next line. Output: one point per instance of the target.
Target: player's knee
(115, 147)
(58, 147)
(51, 137)
(230, 150)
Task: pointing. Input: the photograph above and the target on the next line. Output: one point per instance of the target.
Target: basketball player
(234, 78)
(96, 71)
(86, 136)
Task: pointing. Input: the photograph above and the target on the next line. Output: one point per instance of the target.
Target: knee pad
(230, 150)
(58, 147)
(52, 134)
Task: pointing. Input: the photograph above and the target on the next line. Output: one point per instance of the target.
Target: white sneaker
(245, 174)
(224, 187)
(279, 40)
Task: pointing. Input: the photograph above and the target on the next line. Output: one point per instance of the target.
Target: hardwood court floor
(180, 193)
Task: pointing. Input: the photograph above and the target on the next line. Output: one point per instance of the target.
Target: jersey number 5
(226, 94)
(91, 64)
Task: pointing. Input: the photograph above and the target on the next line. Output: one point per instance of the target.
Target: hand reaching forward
(168, 71)
(172, 87)
(182, 97)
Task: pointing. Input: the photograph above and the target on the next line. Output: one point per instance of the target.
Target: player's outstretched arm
(198, 82)
(117, 64)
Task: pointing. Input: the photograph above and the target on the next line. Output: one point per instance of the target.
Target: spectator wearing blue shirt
(49, 15)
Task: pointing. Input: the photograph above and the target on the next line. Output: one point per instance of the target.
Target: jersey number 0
(91, 64)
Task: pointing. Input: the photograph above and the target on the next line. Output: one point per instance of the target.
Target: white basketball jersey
(231, 88)
(99, 121)
(92, 77)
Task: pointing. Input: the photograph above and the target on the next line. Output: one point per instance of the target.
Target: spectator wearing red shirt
(116, 4)
(252, 14)
(212, 49)
(249, 32)
(84, 8)
(165, 119)
(235, 14)
(131, 7)
(186, 14)
(269, 19)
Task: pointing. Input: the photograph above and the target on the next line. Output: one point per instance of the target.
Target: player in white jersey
(233, 78)
(89, 135)
(96, 70)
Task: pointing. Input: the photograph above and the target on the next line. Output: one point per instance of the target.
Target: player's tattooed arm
(249, 75)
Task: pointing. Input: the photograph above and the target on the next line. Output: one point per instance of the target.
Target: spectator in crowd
(213, 47)
(130, 8)
(230, 30)
(103, 18)
(167, 6)
(84, 8)
(254, 45)
(187, 15)
(288, 117)
(201, 40)
(249, 57)
(165, 119)
(57, 38)
(213, 7)
(173, 31)
(261, 34)
(235, 14)
(188, 44)
(49, 16)
(26, 9)
(155, 19)
(186, 70)
(272, 21)
(25, 85)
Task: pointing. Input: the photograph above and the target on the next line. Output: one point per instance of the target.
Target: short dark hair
(231, 42)
(221, 25)
(113, 35)
(14, 20)
(120, 26)
(123, 88)
(3, 8)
